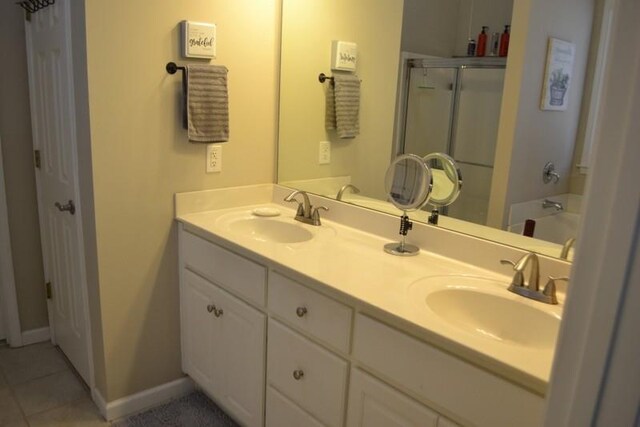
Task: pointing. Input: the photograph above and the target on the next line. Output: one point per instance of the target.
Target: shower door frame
(458, 65)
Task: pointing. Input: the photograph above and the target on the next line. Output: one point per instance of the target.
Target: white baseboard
(33, 336)
(143, 400)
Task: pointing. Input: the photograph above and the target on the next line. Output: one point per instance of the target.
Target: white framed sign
(557, 75)
(198, 40)
(344, 55)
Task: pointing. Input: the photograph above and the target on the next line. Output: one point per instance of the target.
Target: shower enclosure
(453, 106)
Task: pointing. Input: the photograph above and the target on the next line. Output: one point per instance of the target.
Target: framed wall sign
(557, 75)
(198, 40)
(344, 56)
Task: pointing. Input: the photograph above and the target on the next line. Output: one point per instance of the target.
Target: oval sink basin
(495, 317)
(271, 230)
(485, 308)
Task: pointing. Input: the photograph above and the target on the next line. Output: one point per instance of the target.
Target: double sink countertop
(458, 306)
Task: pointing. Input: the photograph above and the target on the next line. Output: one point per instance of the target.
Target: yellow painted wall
(141, 157)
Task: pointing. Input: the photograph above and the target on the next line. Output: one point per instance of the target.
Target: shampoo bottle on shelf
(504, 41)
(481, 50)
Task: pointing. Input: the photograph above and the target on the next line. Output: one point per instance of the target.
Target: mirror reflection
(418, 92)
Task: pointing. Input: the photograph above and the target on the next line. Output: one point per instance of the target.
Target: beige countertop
(351, 263)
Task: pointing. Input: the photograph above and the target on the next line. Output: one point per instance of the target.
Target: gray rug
(194, 409)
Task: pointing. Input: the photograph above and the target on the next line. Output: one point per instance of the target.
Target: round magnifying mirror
(408, 182)
(447, 180)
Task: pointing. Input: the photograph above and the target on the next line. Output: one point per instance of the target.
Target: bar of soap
(266, 212)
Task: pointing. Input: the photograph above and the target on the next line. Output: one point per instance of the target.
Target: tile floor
(38, 388)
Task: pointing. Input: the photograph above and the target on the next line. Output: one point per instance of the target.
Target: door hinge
(49, 291)
(36, 158)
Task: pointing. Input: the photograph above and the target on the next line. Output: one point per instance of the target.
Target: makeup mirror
(408, 183)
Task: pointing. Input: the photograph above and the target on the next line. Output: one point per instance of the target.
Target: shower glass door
(429, 111)
(474, 137)
(454, 108)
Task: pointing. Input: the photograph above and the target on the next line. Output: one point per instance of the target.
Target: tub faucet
(353, 188)
(546, 203)
(530, 288)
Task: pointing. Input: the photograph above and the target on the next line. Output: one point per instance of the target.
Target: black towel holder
(173, 68)
(323, 78)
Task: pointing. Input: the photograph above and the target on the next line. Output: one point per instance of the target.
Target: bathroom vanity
(289, 324)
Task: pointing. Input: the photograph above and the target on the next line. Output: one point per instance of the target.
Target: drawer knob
(301, 311)
(298, 374)
(210, 308)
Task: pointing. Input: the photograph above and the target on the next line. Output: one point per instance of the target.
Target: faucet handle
(508, 262)
(315, 216)
(300, 211)
(550, 288)
(518, 277)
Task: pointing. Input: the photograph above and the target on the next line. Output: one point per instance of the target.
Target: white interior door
(53, 122)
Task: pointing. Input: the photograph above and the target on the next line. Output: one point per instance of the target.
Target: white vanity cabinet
(223, 346)
(279, 352)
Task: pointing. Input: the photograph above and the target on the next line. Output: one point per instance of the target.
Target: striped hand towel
(207, 102)
(343, 105)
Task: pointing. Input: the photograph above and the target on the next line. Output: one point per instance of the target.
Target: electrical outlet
(214, 158)
(324, 153)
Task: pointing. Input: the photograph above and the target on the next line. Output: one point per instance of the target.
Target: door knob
(298, 374)
(301, 311)
(69, 207)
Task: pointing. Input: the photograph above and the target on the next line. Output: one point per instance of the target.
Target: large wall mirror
(420, 93)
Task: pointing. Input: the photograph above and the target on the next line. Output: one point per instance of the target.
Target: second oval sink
(270, 230)
(495, 317)
(484, 308)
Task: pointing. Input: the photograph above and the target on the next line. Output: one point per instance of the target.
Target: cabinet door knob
(298, 374)
(217, 312)
(301, 311)
(210, 308)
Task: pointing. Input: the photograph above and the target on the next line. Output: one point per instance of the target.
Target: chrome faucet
(546, 203)
(305, 213)
(531, 288)
(345, 187)
(564, 254)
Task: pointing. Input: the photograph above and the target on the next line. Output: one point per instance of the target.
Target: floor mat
(194, 409)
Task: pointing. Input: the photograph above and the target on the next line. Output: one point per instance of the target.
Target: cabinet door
(375, 404)
(197, 329)
(238, 358)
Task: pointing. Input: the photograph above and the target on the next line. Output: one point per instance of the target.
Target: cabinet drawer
(237, 274)
(320, 316)
(375, 404)
(320, 386)
(475, 395)
(281, 412)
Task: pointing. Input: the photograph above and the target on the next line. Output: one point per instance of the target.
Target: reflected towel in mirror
(343, 105)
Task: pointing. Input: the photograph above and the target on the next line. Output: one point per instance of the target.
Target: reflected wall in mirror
(417, 96)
